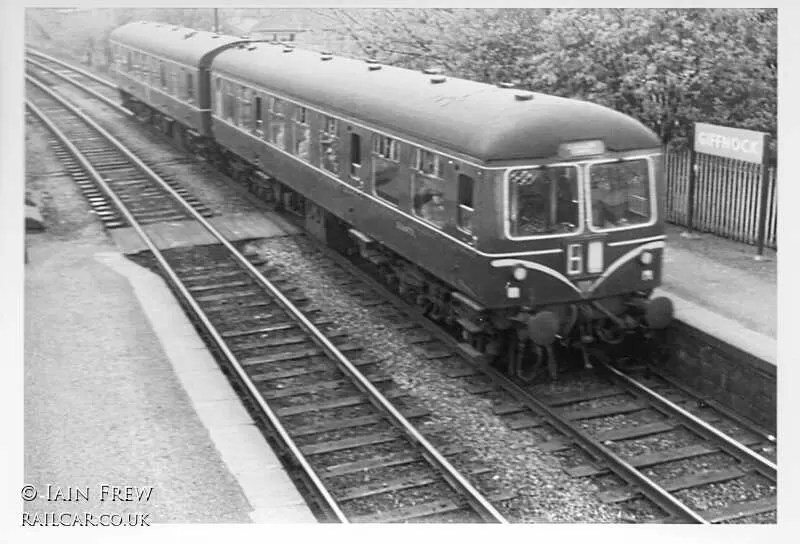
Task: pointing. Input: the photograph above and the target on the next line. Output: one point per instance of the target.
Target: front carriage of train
(588, 226)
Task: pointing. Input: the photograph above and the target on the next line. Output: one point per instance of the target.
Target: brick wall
(726, 374)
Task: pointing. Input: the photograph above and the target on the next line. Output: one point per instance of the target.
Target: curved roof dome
(483, 121)
(184, 45)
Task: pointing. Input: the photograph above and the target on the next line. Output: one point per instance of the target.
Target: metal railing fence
(727, 197)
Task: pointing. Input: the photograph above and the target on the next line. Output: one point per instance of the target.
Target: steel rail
(766, 467)
(65, 64)
(453, 476)
(620, 467)
(294, 450)
(92, 92)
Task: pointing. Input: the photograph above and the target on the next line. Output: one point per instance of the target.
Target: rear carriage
(162, 73)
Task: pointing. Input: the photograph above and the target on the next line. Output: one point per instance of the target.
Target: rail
(481, 505)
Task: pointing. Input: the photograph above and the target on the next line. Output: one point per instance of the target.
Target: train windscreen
(543, 201)
(620, 194)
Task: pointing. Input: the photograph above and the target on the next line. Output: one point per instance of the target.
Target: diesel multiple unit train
(528, 224)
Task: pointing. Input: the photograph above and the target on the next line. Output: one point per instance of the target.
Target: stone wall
(726, 374)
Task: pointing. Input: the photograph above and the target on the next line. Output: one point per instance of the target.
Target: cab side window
(466, 209)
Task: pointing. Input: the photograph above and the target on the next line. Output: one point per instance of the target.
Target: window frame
(579, 184)
(418, 163)
(462, 206)
(587, 208)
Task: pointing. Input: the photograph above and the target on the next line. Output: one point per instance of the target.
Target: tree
(666, 67)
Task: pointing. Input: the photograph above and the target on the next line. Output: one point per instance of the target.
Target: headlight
(646, 257)
(520, 273)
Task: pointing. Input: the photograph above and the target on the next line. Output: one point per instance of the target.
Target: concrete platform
(120, 390)
(718, 287)
(172, 234)
(724, 342)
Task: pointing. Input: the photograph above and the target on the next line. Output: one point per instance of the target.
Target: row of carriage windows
(172, 78)
(288, 126)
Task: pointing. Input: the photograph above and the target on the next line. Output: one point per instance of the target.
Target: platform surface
(120, 390)
(718, 286)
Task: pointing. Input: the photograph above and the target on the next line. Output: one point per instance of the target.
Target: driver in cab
(609, 204)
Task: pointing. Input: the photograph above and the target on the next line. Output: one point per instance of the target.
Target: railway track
(655, 438)
(92, 84)
(650, 446)
(327, 416)
(610, 419)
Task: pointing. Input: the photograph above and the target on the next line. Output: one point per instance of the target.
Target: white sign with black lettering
(734, 143)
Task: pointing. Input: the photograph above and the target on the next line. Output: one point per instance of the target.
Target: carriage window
(543, 201)
(257, 122)
(620, 194)
(329, 145)
(277, 123)
(245, 117)
(466, 186)
(301, 133)
(175, 87)
(301, 115)
(229, 112)
(218, 102)
(355, 156)
(389, 184)
(428, 163)
(163, 75)
(429, 200)
(190, 88)
(330, 126)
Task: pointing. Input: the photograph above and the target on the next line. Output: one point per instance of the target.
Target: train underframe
(530, 344)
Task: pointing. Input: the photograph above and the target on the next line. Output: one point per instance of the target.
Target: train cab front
(588, 235)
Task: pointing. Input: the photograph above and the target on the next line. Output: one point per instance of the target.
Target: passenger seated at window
(330, 161)
(433, 209)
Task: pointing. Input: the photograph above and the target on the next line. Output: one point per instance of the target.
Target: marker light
(646, 257)
(520, 273)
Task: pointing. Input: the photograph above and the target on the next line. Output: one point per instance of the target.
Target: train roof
(483, 121)
(184, 45)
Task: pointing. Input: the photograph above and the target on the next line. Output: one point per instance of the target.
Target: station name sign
(733, 143)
